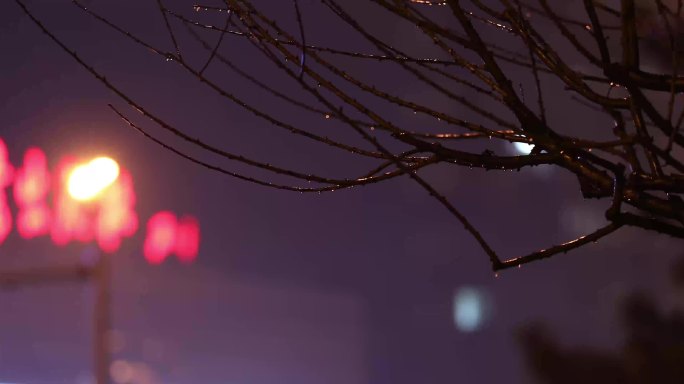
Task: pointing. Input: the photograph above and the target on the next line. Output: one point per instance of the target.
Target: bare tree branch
(484, 55)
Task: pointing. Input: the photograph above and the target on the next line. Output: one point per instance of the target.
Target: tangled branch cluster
(638, 169)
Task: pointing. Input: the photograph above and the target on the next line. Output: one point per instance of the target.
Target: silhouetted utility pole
(99, 276)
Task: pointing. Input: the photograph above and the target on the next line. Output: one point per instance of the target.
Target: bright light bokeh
(469, 309)
(117, 218)
(31, 187)
(167, 234)
(523, 148)
(88, 180)
(161, 237)
(92, 201)
(187, 239)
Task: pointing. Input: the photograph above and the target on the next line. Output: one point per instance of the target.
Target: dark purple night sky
(351, 287)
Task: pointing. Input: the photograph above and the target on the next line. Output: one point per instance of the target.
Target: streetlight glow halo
(86, 181)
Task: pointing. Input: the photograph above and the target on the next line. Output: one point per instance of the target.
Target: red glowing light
(6, 176)
(72, 220)
(108, 218)
(6, 169)
(117, 217)
(32, 180)
(160, 240)
(33, 221)
(166, 235)
(5, 217)
(187, 239)
(31, 185)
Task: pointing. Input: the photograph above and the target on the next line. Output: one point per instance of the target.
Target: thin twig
(218, 43)
(302, 36)
(169, 29)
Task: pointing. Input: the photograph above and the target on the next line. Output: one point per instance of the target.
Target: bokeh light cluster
(92, 201)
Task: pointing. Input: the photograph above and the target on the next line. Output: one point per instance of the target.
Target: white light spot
(86, 181)
(523, 148)
(469, 309)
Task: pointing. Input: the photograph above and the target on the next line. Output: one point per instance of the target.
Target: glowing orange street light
(87, 181)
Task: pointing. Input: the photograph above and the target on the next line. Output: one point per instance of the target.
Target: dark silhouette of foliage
(653, 349)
